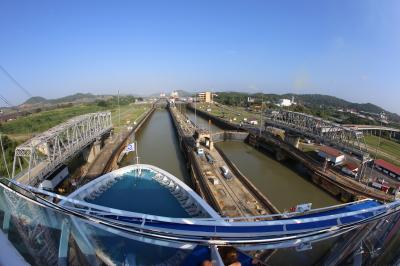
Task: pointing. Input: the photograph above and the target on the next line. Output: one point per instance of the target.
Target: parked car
(225, 172)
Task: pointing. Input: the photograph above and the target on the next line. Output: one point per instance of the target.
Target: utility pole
(382, 114)
(209, 130)
(261, 114)
(119, 113)
(195, 110)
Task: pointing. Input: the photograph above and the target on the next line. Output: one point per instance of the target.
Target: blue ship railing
(218, 230)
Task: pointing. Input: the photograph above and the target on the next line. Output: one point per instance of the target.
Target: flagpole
(137, 154)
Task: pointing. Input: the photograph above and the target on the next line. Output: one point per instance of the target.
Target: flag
(130, 147)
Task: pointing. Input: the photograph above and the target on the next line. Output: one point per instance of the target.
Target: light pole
(261, 115)
(195, 110)
(377, 147)
(119, 112)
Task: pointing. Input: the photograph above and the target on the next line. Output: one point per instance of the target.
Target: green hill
(70, 98)
(312, 101)
(35, 100)
(74, 97)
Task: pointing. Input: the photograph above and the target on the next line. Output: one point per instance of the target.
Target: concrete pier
(231, 195)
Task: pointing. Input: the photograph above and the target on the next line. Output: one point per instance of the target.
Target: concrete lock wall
(292, 140)
(230, 135)
(216, 120)
(90, 153)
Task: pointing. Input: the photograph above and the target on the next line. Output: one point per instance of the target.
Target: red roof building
(331, 154)
(350, 169)
(351, 166)
(330, 151)
(388, 166)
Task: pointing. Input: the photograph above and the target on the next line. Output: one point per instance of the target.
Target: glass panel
(45, 236)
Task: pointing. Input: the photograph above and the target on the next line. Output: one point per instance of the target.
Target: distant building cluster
(384, 169)
(382, 117)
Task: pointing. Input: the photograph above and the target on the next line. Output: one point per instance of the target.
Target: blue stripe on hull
(293, 225)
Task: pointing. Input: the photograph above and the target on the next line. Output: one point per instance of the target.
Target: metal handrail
(205, 221)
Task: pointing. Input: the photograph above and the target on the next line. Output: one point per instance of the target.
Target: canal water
(280, 182)
(158, 146)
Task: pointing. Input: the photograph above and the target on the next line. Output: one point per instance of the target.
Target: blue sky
(348, 49)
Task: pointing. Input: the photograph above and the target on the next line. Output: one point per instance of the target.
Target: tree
(102, 103)
(9, 147)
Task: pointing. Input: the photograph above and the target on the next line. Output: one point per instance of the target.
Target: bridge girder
(47, 151)
(321, 130)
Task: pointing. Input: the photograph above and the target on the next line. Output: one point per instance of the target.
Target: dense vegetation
(123, 100)
(322, 105)
(41, 121)
(9, 147)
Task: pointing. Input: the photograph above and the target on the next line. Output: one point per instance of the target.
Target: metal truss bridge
(44, 153)
(321, 130)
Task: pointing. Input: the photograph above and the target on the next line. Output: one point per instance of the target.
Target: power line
(15, 81)
(5, 100)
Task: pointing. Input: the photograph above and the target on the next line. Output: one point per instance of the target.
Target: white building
(174, 94)
(331, 155)
(253, 121)
(286, 102)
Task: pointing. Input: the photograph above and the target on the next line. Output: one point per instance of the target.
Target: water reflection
(281, 183)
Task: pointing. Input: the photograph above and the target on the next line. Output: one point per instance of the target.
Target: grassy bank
(39, 122)
(17, 131)
(388, 150)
